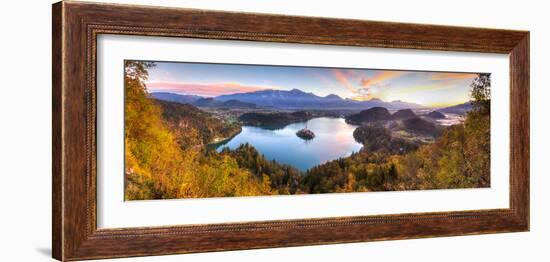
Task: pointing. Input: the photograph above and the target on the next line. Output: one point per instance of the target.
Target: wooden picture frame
(76, 26)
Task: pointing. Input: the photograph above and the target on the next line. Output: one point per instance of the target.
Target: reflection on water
(333, 139)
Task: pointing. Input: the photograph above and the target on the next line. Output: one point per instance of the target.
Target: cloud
(343, 79)
(208, 90)
(365, 88)
(380, 78)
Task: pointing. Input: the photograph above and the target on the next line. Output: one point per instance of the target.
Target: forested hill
(461, 109)
(274, 120)
(193, 126)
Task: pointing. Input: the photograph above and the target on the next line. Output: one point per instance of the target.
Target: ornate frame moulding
(76, 26)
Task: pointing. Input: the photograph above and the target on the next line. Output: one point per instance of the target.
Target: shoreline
(217, 142)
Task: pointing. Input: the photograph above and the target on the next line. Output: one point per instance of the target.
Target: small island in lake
(305, 134)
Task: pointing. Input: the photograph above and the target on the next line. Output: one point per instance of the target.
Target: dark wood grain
(75, 29)
(57, 195)
(519, 129)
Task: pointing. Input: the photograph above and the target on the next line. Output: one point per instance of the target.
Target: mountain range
(201, 101)
(293, 99)
(171, 97)
(460, 109)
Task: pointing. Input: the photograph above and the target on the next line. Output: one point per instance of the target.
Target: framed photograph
(181, 130)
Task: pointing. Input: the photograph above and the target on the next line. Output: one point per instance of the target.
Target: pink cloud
(342, 77)
(202, 89)
(380, 78)
(363, 89)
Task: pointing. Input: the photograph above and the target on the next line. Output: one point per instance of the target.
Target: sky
(210, 80)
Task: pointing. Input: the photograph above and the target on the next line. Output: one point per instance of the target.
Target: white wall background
(25, 130)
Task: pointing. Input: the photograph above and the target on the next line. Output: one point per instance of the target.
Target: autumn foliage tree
(158, 167)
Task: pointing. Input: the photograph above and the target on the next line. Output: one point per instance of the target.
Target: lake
(333, 139)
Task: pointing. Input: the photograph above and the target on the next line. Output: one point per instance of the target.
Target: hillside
(460, 109)
(376, 138)
(376, 114)
(200, 101)
(274, 120)
(420, 126)
(233, 103)
(435, 115)
(193, 126)
(403, 114)
(370, 115)
(171, 97)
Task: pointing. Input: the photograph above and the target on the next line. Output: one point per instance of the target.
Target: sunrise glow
(432, 89)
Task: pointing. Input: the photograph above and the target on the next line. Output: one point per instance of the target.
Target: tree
(137, 70)
(477, 129)
(481, 93)
(392, 173)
